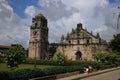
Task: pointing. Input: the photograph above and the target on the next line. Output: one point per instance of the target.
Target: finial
(62, 37)
(67, 35)
(72, 29)
(91, 32)
(98, 35)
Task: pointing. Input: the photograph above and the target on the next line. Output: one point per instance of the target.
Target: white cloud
(30, 11)
(55, 10)
(6, 6)
(96, 15)
(100, 29)
(12, 29)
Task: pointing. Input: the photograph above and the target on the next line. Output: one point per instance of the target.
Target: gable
(80, 36)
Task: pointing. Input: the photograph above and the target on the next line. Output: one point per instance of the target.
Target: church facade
(38, 43)
(81, 44)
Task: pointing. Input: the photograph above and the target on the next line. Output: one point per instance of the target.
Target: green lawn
(3, 66)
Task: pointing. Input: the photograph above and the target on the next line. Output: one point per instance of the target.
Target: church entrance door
(78, 55)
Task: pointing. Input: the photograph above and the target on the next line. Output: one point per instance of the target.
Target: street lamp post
(118, 21)
(35, 53)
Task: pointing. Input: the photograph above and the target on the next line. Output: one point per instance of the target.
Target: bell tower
(38, 43)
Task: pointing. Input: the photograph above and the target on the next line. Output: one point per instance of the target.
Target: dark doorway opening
(78, 55)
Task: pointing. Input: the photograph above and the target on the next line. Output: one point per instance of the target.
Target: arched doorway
(78, 55)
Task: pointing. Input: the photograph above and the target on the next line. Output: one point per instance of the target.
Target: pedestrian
(90, 69)
(87, 70)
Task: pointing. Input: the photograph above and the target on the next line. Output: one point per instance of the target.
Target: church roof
(5, 47)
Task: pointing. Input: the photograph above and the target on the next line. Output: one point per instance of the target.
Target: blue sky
(113, 1)
(63, 15)
(20, 5)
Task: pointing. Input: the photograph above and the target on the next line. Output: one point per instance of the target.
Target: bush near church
(52, 62)
(15, 56)
(107, 58)
(60, 58)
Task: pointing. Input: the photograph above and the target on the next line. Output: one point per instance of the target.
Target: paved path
(113, 75)
(108, 74)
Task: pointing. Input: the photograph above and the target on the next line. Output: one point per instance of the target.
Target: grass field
(3, 66)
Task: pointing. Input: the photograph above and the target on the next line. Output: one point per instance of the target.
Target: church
(81, 44)
(77, 45)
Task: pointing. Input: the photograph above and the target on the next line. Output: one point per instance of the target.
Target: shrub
(41, 62)
(94, 64)
(60, 58)
(15, 56)
(106, 57)
(1, 60)
(25, 74)
(4, 75)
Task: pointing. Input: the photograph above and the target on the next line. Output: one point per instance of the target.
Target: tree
(61, 58)
(115, 43)
(15, 56)
(106, 57)
(53, 47)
